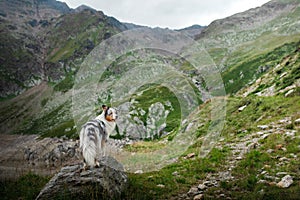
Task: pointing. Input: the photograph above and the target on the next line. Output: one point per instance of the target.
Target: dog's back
(91, 135)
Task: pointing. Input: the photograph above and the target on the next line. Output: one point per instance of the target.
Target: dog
(94, 134)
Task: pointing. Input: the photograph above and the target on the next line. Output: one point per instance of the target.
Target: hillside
(240, 44)
(184, 131)
(46, 41)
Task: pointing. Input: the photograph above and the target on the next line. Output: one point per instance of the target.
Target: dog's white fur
(94, 134)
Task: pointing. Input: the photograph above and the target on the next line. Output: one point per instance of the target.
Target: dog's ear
(104, 106)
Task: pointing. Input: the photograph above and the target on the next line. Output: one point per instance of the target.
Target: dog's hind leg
(97, 164)
(103, 147)
(84, 167)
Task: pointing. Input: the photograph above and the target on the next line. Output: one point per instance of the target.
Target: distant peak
(83, 7)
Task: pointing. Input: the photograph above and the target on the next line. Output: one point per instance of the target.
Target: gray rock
(239, 158)
(297, 121)
(268, 177)
(264, 172)
(211, 183)
(281, 173)
(263, 127)
(262, 182)
(226, 175)
(71, 182)
(194, 191)
(202, 187)
(139, 172)
(285, 182)
(242, 108)
(289, 93)
(293, 155)
(264, 136)
(199, 197)
(290, 134)
(270, 151)
(161, 186)
(175, 173)
(283, 159)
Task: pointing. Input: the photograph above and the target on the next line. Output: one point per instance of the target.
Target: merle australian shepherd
(94, 135)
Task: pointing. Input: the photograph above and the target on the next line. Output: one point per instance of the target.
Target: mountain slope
(238, 40)
(244, 46)
(41, 44)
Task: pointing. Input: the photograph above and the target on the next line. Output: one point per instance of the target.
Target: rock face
(106, 182)
(133, 126)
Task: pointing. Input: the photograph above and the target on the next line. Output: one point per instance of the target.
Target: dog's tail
(90, 143)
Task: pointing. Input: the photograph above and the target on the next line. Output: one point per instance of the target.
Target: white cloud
(168, 13)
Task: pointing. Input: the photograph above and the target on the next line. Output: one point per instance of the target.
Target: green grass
(192, 170)
(26, 187)
(144, 146)
(66, 84)
(155, 93)
(246, 174)
(259, 111)
(145, 186)
(53, 124)
(250, 68)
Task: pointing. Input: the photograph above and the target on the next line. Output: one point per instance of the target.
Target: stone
(283, 74)
(263, 172)
(263, 127)
(297, 121)
(293, 155)
(161, 186)
(191, 155)
(199, 197)
(285, 182)
(225, 175)
(193, 191)
(267, 166)
(290, 133)
(175, 173)
(202, 187)
(283, 159)
(283, 149)
(251, 146)
(139, 172)
(289, 93)
(264, 136)
(281, 173)
(270, 151)
(262, 182)
(104, 182)
(212, 183)
(242, 108)
(239, 158)
(268, 177)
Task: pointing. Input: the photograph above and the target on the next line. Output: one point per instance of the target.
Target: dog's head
(110, 114)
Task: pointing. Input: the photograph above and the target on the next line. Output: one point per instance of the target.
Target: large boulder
(106, 182)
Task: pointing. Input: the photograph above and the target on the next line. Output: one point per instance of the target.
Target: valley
(205, 112)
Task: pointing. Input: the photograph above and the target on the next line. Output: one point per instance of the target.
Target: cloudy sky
(168, 13)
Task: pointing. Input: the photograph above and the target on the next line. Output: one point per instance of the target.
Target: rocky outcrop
(153, 127)
(106, 182)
